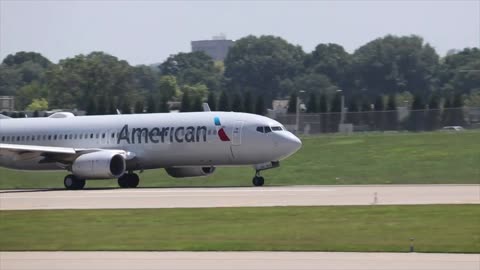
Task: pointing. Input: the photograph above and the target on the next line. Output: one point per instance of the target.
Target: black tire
(258, 181)
(80, 183)
(133, 180)
(71, 182)
(123, 181)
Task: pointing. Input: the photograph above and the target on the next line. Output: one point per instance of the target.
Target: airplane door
(237, 133)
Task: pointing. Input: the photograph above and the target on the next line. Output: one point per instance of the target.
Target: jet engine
(180, 172)
(99, 165)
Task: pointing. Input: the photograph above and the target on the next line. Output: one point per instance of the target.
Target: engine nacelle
(180, 172)
(99, 165)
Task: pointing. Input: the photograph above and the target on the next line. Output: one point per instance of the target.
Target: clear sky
(144, 32)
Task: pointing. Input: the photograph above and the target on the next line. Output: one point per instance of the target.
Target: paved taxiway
(237, 197)
(236, 260)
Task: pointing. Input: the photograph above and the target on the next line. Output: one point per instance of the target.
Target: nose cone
(289, 144)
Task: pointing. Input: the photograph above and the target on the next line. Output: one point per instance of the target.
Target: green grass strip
(436, 228)
(373, 158)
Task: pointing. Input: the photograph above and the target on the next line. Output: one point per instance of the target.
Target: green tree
(260, 108)
(292, 103)
(392, 114)
(102, 105)
(324, 116)
(224, 102)
(186, 105)
(212, 101)
(330, 60)
(91, 108)
(163, 107)
(380, 115)
(125, 107)
(197, 104)
(237, 103)
(74, 81)
(139, 107)
(395, 64)
(433, 113)
(193, 68)
(38, 104)
(335, 115)
(168, 86)
(248, 103)
(151, 106)
(312, 103)
(416, 120)
(458, 116)
(459, 72)
(261, 64)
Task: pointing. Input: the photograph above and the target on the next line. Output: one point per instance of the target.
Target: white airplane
(114, 146)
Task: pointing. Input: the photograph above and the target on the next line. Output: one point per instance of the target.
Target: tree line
(255, 71)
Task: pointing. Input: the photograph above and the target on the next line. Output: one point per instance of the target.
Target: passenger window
(55, 137)
(3, 138)
(18, 138)
(268, 129)
(70, 136)
(103, 135)
(91, 136)
(81, 136)
(75, 136)
(113, 135)
(260, 129)
(49, 137)
(96, 136)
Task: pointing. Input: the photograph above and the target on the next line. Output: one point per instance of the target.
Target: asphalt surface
(236, 260)
(239, 197)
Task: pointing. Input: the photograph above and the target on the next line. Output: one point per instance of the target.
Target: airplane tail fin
(206, 108)
(4, 117)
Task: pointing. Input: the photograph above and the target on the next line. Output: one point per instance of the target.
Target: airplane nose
(289, 145)
(295, 144)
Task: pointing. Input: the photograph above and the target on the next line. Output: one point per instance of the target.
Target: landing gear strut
(258, 180)
(128, 180)
(72, 182)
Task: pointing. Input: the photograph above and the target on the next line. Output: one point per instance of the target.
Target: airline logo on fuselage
(162, 135)
(170, 134)
(221, 132)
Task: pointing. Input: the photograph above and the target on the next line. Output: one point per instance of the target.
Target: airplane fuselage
(153, 140)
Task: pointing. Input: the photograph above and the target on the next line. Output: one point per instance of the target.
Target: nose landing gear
(258, 180)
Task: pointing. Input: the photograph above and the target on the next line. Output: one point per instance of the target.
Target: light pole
(342, 106)
(297, 120)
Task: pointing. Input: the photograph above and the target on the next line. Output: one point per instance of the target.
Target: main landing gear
(72, 182)
(128, 180)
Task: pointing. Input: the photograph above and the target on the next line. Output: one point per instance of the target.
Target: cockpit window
(260, 129)
(268, 129)
(277, 128)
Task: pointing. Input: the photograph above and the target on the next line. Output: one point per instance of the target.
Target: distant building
(217, 48)
(7, 103)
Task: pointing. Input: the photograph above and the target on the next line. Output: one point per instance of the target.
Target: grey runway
(236, 260)
(240, 197)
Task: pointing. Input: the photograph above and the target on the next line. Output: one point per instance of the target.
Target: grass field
(436, 228)
(400, 158)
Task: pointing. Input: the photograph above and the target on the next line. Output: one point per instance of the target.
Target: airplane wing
(21, 149)
(51, 153)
